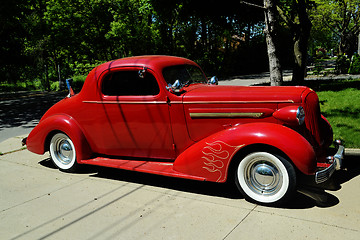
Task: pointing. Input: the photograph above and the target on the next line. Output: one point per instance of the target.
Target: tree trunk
(301, 34)
(300, 43)
(276, 77)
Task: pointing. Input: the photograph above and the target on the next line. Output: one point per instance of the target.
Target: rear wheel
(63, 153)
(265, 178)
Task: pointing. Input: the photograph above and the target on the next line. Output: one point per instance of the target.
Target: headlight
(292, 115)
(300, 115)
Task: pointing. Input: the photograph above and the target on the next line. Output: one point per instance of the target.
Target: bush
(320, 53)
(78, 82)
(355, 64)
(342, 64)
(83, 68)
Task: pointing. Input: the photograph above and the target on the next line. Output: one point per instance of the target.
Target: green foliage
(342, 64)
(41, 35)
(78, 82)
(83, 68)
(336, 25)
(340, 104)
(342, 109)
(355, 64)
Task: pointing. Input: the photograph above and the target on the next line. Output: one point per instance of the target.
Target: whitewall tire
(63, 153)
(265, 178)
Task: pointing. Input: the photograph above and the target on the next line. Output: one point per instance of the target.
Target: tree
(342, 18)
(276, 77)
(40, 35)
(271, 31)
(12, 34)
(295, 15)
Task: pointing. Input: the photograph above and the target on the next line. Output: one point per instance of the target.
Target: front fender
(37, 139)
(210, 158)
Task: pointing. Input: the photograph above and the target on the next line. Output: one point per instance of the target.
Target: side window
(128, 83)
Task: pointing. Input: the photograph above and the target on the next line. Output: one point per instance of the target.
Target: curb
(352, 152)
(333, 77)
(11, 145)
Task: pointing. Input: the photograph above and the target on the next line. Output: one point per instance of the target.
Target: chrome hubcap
(263, 177)
(64, 152)
(264, 174)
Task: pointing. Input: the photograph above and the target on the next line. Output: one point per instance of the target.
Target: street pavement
(21, 111)
(37, 201)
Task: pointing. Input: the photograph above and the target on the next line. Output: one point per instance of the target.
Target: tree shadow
(328, 85)
(344, 112)
(322, 85)
(18, 109)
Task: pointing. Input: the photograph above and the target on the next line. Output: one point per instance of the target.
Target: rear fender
(210, 158)
(39, 138)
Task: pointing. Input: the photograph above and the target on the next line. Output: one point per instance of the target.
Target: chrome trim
(236, 102)
(126, 102)
(226, 115)
(325, 174)
(192, 102)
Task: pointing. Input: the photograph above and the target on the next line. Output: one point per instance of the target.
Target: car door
(136, 116)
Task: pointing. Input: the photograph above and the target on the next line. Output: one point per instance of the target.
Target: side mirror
(174, 87)
(213, 81)
(142, 72)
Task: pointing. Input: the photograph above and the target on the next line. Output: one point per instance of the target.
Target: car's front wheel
(265, 178)
(63, 153)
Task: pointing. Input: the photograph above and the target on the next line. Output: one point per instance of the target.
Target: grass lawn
(340, 104)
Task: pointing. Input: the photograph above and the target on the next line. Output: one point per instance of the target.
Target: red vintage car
(160, 115)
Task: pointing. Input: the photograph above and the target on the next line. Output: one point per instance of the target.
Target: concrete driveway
(38, 201)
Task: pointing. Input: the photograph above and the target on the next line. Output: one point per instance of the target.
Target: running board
(159, 168)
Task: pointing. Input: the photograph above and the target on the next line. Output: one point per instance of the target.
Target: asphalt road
(20, 112)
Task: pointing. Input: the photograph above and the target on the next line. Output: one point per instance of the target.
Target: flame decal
(216, 155)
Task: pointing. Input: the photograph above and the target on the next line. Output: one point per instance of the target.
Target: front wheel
(62, 152)
(265, 178)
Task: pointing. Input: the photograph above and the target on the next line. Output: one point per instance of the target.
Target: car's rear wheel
(63, 153)
(265, 178)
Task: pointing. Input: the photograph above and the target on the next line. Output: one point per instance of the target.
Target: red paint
(160, 134)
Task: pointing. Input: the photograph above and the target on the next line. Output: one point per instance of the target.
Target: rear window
(129, 83)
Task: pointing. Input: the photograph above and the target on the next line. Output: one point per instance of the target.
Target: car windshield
(186, 74)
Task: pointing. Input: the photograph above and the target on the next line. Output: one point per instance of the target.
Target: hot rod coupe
(161, 115)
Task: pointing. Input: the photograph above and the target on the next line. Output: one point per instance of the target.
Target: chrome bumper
(325, 174)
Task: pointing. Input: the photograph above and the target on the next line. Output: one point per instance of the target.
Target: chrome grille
(325, 174)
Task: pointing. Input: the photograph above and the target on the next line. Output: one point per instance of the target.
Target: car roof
(151, 61)
(154, 62)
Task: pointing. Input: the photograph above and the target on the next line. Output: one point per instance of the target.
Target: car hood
(210, 93)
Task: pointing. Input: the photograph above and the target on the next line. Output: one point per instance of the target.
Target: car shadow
(178, 184)
(318, 192)
(308, 196)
